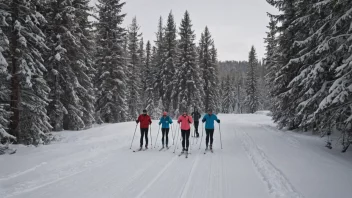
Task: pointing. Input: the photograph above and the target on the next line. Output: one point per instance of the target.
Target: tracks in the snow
(277, 183)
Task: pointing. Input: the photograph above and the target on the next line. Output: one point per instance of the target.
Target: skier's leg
(196, 124)
(141, 140)
(211, 131)
(163, 135)
(183, 138)
(207, 138)
(188, 133)
(146, 136)
(167, 136)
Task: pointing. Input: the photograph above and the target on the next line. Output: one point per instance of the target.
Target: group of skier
(185, 122)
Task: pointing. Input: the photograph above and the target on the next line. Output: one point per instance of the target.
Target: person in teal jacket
(209, 127)
(165, 122)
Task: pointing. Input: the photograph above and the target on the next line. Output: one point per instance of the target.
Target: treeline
(309, 58)
(60, 71)
(242, 85)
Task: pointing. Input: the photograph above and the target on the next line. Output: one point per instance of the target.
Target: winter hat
(165, 113)
(144, 111)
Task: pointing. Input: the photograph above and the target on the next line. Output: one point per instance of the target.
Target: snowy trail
(257, 161)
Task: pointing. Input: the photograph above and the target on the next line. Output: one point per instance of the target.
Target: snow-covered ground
(257, 161)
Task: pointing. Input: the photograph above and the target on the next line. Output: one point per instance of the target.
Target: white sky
(235, 25)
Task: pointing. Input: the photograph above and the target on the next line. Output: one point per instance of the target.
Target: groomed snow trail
(257, 161)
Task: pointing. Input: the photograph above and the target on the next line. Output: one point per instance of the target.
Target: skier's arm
(138, 119)
(216, 118)
(204, 119)
(190, 119)
(170, 120)
(160, 121)
(150, 121)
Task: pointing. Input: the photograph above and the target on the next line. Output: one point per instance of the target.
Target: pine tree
(207, 62)
(111, 103)
(269, 61)
(252, 82)
(29, 91)
(168, 68)
(70, 65)
(5, 114)
(188, 74)
(149, 79)
(158, 61)
(228, 97)
(142, 75)
(134, 84)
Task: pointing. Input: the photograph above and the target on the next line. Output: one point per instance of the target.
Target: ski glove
(218, 121)
(203, 120)
(137, 121)
(189, 121)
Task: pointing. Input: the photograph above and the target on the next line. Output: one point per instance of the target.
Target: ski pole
(151, 138)
(202, 134)
(201, 137)
(194, 137)
(176, 141)
(134, 135)
(172, 135)
(220, 136)
(156, 138)
(175, 129)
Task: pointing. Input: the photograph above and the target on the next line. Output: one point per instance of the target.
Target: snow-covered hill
(257, 161)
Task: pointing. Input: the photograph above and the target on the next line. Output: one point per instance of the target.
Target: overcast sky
(235, 25)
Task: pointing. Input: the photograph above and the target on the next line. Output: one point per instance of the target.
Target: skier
(209, 127)
(165, 122)
(145, 121)
(185, 121)
(196, 116)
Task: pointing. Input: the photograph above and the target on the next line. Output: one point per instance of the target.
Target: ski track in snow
(255, 162)
(12, 176)
(278, 184)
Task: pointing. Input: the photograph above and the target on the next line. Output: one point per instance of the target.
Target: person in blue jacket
(209, 127)
(165, 122)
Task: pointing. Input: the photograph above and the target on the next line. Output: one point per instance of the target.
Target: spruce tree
(5, 114)
(134, 63)
(111, 103)
(188, 82)
(207, 62)
(228, 97)
(158, 61)
(252, 82)
(70, 65)
(169, 62)
(148, 83)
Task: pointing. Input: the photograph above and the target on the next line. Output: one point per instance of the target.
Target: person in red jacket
(185, 121)
(145, 121)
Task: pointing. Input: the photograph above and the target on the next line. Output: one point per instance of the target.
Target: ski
(181, 154)
(205, 151)
(212, 150)
(186, 155)
(137, 150)
(167, 148)
(161, 149)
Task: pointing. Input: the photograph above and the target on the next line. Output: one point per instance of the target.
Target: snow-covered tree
(158, 61)
(111, 84)
(134, 70)
(148, 81)
(208, 64)
(4, 80)
(188, 74)
(70, 65)
(269, 61)
(228, 96)
(29, 91)
(252, 82)
(142, 75)
(168, 68)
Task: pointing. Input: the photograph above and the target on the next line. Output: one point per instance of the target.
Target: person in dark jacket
(196, 116)
(145, 121)
(209, 127)
(165, 122)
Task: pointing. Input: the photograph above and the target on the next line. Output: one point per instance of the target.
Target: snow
(257, 160)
